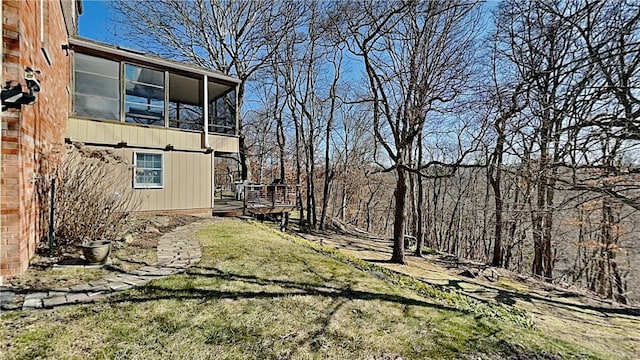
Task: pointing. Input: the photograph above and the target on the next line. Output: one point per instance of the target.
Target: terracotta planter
(96, 252)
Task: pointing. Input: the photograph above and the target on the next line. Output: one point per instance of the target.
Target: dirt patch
(139, 247)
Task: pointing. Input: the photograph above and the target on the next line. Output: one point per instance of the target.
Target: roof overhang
(110, 52)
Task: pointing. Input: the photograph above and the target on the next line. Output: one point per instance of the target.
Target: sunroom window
(185, 103)
(97, 87)
(223, 114)
(144, 96)
(139, 93)
(148, 170)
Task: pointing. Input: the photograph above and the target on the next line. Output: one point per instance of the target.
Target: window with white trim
(148, 172)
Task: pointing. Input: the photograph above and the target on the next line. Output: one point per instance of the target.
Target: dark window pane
(145, 91)
(146, 115)
(96, 65)
(97, 87)
(141, 101)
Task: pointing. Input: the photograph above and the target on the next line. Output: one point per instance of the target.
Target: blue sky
(94, 21)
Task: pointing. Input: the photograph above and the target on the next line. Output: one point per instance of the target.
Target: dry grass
(569, 315)
(256, 295)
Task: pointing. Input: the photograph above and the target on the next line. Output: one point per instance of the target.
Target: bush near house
(93, 196)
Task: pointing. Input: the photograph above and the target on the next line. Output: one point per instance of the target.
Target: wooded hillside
(503, 132)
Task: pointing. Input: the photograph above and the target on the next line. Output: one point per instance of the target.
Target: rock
(161, 221)
(151, 230)
(128, 238)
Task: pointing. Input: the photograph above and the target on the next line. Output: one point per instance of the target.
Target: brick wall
(33, 137)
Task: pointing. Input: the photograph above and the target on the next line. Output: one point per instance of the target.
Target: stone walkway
(177, 251)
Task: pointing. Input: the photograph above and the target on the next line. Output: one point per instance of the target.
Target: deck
(231, 208)
(256, 200)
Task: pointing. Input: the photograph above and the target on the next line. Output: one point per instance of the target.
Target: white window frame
(136, 185)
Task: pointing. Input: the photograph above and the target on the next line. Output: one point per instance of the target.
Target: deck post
(244, 199)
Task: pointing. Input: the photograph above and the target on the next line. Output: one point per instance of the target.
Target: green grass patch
(257, 295)
(444, 295)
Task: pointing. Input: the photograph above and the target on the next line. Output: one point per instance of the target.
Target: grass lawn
(256, 295)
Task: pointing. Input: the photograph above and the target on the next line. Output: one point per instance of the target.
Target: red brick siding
(33, 137)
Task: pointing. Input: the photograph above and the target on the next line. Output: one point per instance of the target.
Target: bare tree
(417, 56)
(335, 58)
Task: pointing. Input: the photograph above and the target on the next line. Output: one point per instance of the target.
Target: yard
(258, 295)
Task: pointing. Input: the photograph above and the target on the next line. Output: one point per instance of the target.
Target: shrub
(93, 197)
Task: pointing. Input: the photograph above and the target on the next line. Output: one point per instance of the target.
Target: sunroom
(131, 88)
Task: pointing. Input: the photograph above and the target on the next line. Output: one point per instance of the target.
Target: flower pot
(96, 252)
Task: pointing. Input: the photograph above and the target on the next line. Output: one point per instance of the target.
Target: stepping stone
(35, 303)
(79, 298)
(98, 283)
(117, 286)
(82, 287)
(132, 280)
(35, 295)
(54, 301)
(6, 295)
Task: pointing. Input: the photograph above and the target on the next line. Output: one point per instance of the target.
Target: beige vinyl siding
(186, 182)
(187, 176)
(112, 133)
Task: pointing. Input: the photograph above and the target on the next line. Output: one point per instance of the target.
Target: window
(185, 103)
(148, 171)
(144, 101)
(97, 87)
(223, 114)
(149, 93)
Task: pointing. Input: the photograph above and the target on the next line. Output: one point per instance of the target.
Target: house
(168, 119)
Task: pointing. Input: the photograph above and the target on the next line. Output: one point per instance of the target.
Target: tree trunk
(420, 204)
(495, 174)
(299, 201)
(398, 221)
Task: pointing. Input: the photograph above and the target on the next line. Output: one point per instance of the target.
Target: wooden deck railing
(273, 195)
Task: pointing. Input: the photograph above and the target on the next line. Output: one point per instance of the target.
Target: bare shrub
(93, 197)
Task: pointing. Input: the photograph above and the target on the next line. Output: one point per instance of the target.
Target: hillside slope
(568, 315)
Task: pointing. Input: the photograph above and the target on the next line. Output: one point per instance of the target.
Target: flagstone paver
(177, 251)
